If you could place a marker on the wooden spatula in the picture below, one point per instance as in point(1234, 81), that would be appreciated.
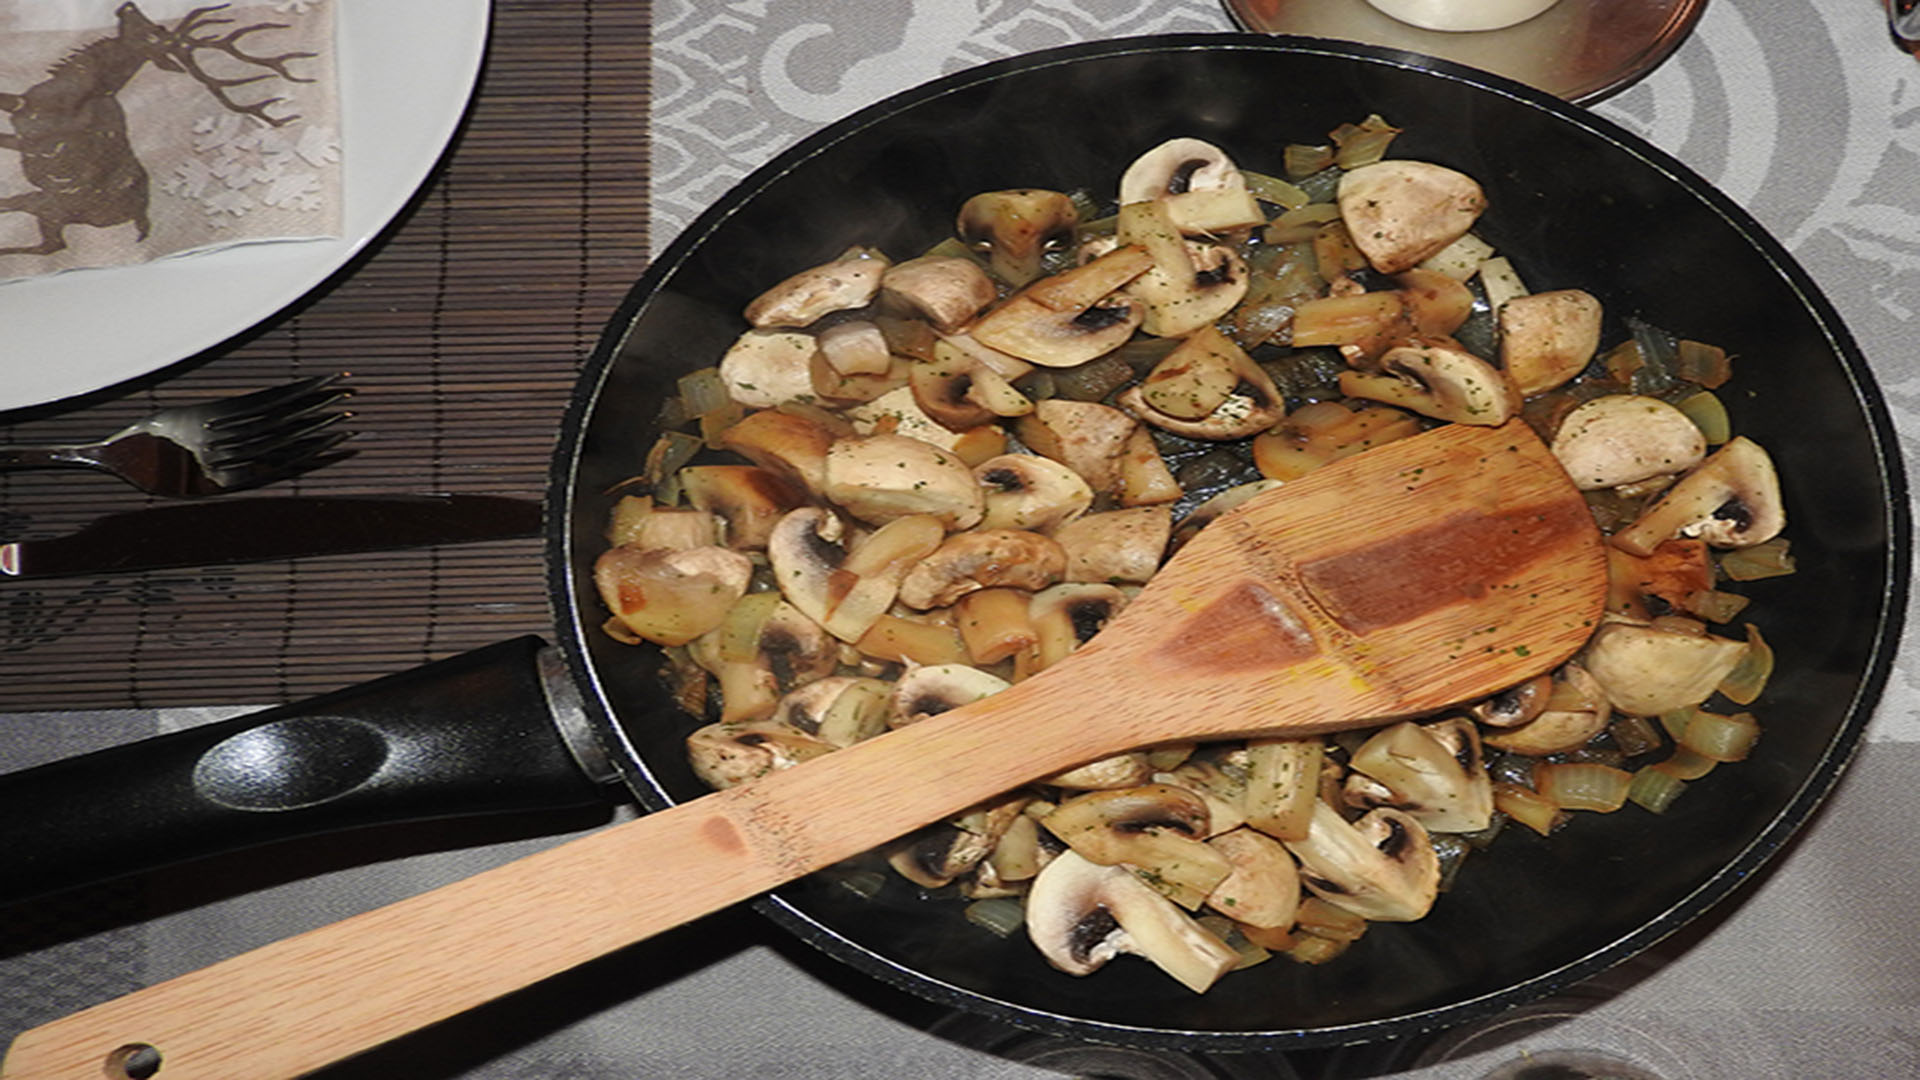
point(1423, 573)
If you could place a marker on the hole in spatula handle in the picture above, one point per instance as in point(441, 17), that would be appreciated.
point(135, 1061)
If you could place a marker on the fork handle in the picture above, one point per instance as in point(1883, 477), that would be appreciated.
point(50, 457)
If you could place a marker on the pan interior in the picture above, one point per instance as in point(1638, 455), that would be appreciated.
point(1576, 203)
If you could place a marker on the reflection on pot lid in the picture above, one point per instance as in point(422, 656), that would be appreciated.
point(1580, 50)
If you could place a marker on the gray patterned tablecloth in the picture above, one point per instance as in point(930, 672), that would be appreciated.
point(1801, 110)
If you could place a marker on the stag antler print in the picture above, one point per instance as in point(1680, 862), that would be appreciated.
point(184, 44)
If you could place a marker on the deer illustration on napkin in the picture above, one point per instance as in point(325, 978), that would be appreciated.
point(149, 129)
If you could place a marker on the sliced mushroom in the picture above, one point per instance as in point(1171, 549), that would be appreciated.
point(1016, 228)
point(1647, 671)
point(980, 559)
point(750, 500)
point(936, 688)
point(1201, 188)
point(1626, 438)
point(1071, 317)
point(1516, 704)
point(947, 289)
point(838, 709)
point(793, 446)
point(727, 754)
point(1068, 615)
point(1400, 212)
point(1145, 479)
point(1116, 545)
point(1732, 499)
point(1209, 511)
point(849, 281)
point(959, 392)
point(1575, 710)
point(637, 523)
point(764, 368)
point(1547, 338)
point(1232, 395)
point(856, 347)
point(1190, 284)
point(1432, 771)
point(1085, 436)
point(1081, 914)
point(1264, 887)
point(671, 597)
point(844, 585)
point(1027, 491)
point(933, 856)
point(1381, 867)
point(1124, 770)
point(1157, 829)
point(1441, 381)
point(878, 478)
point(898, 412)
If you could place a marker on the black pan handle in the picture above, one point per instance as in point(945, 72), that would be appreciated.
point(499, 729)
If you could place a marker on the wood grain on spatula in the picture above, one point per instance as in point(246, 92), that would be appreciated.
point(1419, 574)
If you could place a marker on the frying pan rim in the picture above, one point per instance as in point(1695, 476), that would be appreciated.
point(573, 625)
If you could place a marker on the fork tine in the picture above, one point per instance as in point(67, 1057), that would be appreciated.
point(267, 440)
point(291, 416)
point(278, 401)
point(287, 461)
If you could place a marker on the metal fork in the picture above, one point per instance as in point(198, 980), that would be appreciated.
point(213, 447)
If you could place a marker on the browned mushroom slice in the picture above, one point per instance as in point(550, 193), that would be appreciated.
point(979, 559)
point(1263, 888)
point(1572, 711)
point(1158, 829)
point(726, 754)
point(1432, 771)
point(1440, 381)
point(750, 500)
point(1210, 376)
point(1071, 317)
point(878, 478)
point(1028, 491)
point(843, 584)
point(947, 289)
point(1190, 284)
point(671, 597)
point(792, 446)
point(1085, 436)
point(1015, 228)
point(1116, 545)
point(933, 689)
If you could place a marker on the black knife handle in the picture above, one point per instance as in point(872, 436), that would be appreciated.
point(495, 730)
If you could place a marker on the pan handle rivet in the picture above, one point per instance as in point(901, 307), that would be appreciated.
point(134, 1061)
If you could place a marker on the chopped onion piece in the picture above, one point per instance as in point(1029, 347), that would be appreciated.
point(1001, 915)
point(1744, 684)
point(1684, 764)
point(1655, 789)
point(1721, 737)
point(1767, 560)
point(1528, 807)
point(1709, 414)
point(703, 391)
point(1581, 785)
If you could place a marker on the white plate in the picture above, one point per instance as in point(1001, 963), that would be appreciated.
point(406, 72)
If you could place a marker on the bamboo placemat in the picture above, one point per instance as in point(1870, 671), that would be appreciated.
point(462, 326)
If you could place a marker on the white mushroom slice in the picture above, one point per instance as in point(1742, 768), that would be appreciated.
point(1264, 888)
point(1547, 338)
point(979, 559)
point(1401, 212)
point(933, 856)
point(1008, 366)
point(1516, 704)
point(1027, 491)
point(1015, 228)
point(898, 412)
point(1440, 381)
point(637, 523)
point(936, 688)
point(1626, 438)
point(1116, 545)
point(671, 597)
point(849, 281)
point(1190, 284)
point(843, 586)
point(750, 500)
point(1129, 769)
point(1731, 500)
point(878, 478)
point(1249, 404)
point(724, 755)
point(1071, 317)
point(1157, 829)
point(838, 709)
point(1646, 671)
point(1085, 436)
point(792, 446)
point(1432, 771)
point(1381, 867)
point(947, 289)
point(1202, 189)
point(764, 368)
point(1575, 711)
point(1081, 914)
point(856, 347)
point(958, 392)
point(1145, 479)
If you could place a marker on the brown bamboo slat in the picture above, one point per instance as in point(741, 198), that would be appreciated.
point(462, 331)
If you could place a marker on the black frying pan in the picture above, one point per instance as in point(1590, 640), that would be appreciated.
point(1575, 202)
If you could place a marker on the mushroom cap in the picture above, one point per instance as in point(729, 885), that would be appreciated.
point(1646, 671)
point(1732, 499)
point(726, 754)
point(856, 347)
point(1199, 185)
point(1116, 545)
point(878, 478)
point(1400, 212)
point(1081, 914)
point(1444, 786)
point(1016, 227)
point(1441, 381)
point(1625, 438)
point(671, 597)
point(1085, 436)
point(936, 688)
point(947, 289)
point(1547, 338)
point(764, 368)
point(1381, 867)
